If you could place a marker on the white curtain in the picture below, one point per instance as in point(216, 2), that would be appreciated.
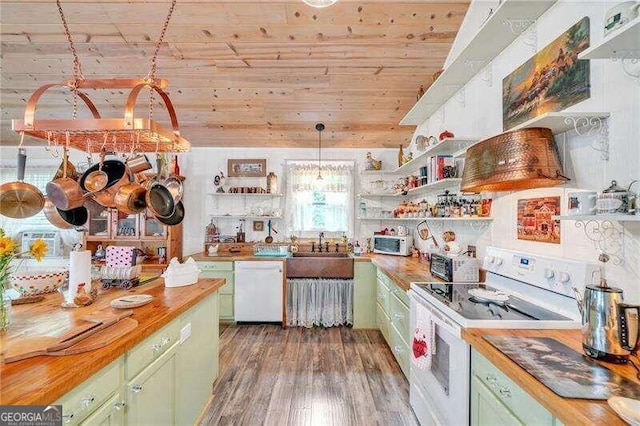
point(326, 205)
point(319, 302)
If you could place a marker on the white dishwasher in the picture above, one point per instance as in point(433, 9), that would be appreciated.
point(258, 291)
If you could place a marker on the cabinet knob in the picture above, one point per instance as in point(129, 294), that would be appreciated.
point(166, 341)
point(491, 379)
point(505, 392)
point(87, 401)
point(398, 316)
point(397, 349)
point(136, 388)
point(119, 405)
point(68, 417)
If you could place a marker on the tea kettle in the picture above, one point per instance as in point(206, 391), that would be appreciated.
point(610, 328)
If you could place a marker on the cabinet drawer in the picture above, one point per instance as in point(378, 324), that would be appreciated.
point(400, 294)
point(383, 297)
point(528, 410)
point(215, 266)
point(111, 413)
point(151, 348)
point(383, 322)
point(399, 315)
point(400, 349)
point(226, 307)
point(91, 394)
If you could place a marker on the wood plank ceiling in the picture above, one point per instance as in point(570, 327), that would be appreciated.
point(241, 73)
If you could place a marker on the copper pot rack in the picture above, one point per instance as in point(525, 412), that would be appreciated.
point(141, 134)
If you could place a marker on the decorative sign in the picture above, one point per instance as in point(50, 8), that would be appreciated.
point(246, 168)
point(535, 221)
point(552, 80)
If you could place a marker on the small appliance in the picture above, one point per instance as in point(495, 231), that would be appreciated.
point(52, 238)
point(462, 269)
point(609, 327)
point(392, 244)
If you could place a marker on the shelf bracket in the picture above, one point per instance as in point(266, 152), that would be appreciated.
point(627, 57)
point(594, 126)
point(606, 236)
point(460, 94)
point(479, 65)
point(524, 27)
point(478, 226)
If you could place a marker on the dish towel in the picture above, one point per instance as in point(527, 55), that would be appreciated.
point(423, 345)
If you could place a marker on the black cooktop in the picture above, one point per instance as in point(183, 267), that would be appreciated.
point(457, 297)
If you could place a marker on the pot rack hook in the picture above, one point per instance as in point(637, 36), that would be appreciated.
point(54, 151)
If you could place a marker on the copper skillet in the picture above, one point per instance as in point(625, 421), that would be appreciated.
point(158, 198)
point(65, 192)
point(19, 200)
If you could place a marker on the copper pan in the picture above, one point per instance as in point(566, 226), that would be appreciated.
point(19, 200)
point(130, 198)
point(62, 219)
point(65, 192)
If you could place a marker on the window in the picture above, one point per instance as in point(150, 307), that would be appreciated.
point(325, 205)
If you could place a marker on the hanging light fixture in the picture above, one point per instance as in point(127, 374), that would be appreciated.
point(319, 128)
point(512, 161)
point(319, 3)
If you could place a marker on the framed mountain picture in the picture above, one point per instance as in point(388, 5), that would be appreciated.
point(552, 80)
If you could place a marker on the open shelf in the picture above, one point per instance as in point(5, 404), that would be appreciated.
point(446, 219)
point(447, 146)
point(378, 195)
point(507, 22)
point(601, 217)
point(623, 43)
point(441, 184)
point(560, 122)
point(242, 216)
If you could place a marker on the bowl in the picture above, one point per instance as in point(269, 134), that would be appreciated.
point(38, 281)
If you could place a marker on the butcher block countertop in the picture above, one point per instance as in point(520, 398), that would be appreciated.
point(44, 379)
point(570, 411)
point(402, 270)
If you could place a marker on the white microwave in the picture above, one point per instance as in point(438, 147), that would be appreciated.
point(390, 244)
point(52, 238)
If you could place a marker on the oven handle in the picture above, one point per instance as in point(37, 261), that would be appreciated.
point(438, 318)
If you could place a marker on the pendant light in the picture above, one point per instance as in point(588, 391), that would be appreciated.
point(319, 128)
point(513, 161)
point(319, 3)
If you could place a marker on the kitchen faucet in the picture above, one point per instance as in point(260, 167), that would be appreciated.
point(320, 242)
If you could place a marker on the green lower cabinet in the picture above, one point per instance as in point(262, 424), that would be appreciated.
point(364, 295)
point(497, 400)
point(151, 395)
point(110, 414)
point(197, 364)
point(392, 318)
point(221, 269)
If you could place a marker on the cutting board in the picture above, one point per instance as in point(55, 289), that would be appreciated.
point(29, 347)
point(101, 339)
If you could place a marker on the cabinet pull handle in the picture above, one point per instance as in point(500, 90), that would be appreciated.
point(398, 316)
point(491, 379)
point(119, 405)
point(156, 347)
point(506, 392)
point(165, 341)
point(68, 417)
point(136, 388)
point(397, 349)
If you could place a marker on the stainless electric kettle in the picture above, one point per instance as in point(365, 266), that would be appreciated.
point(609, 327)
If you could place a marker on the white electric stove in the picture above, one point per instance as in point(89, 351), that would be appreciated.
point(522, 291)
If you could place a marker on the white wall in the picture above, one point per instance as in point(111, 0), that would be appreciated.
point(611, 91)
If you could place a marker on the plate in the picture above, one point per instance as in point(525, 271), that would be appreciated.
point(489, 295)
point(627, 408)
point(131, 301)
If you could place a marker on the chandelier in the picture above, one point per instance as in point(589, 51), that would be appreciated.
point(319, 3)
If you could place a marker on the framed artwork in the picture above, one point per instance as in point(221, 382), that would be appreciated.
point(535, 222)
point(552, 80)
point(246, 168)
point(258, 225)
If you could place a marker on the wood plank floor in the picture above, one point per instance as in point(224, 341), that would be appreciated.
point(299, 376)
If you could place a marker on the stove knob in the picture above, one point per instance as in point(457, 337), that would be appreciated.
point(499, 261)
point(548, 273)
point(564, 277)
point(491, 259)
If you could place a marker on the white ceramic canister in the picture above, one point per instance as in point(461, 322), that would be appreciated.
point(581, 203)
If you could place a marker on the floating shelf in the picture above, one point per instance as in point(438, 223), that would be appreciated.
point(379, 195)
point(601, 217)
point(242, 216)
point(447, 146)
point(507, 22)
point(227, 194)
point(560, 122)
point(445, 219)
point(377, 172)
point(441, 184)
point(621, 44)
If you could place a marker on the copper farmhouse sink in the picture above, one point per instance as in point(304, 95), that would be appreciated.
point(320, 265)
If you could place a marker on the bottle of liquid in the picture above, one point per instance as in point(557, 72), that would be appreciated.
point(400, 157)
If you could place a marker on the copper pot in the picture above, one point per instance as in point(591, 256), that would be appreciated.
point(65, 219)
point(19, 200)
point(130, 198)
point(65, 192)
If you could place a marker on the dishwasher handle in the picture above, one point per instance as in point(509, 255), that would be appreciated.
point(259, 265)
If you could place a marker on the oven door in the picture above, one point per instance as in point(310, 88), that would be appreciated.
point(440, 395)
